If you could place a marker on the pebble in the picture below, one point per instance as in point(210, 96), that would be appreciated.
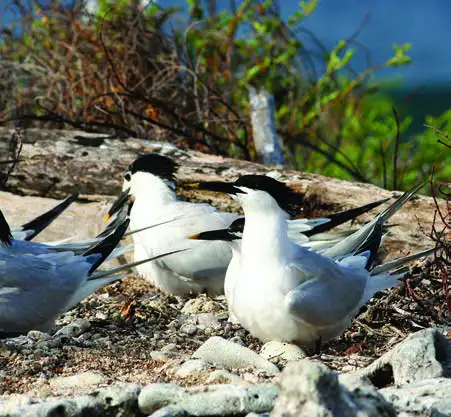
point(191, 367)
point(37, 335)
point(75, 328)
point(79, 380)
point(171, 347)
point(230, 355)
point(238, 340)
point(286, 351)
point(207, 320)
point(199, 305)
point(160, 356)
point(188, 329)
point(221, 376)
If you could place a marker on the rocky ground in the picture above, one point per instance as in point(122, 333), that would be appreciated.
point(129, 350)
point(130, 333)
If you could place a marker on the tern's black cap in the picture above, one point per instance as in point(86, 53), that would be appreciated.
point(159, 165)
point(286, 198)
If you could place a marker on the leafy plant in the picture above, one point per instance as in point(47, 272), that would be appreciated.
point(138, 71)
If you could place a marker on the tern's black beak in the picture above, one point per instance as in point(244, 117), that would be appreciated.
point(221, 234)
point(122, 199)
point(218, 186)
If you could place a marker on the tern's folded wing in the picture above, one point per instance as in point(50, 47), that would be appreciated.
point(323, 302)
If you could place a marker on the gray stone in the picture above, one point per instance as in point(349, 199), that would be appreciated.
point(431, 398)
point(170, 347)
point(156, 396)
point(79, 380)
point(161, 356)
point(212, 400)
point(191, 367)
point(170, 411)
point(120, 400)
point(188, 329)
point(199, 305)
point(257, 415)
point(221, 376)
point(74, 329)
point(17, 405)
point(230, 355)
point(37, 335)
point(423, 355)
point(286, 351)
point(207, 320)
point(310, 389)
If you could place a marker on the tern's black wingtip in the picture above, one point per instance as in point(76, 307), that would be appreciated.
point(5, 231)
point(107, 245)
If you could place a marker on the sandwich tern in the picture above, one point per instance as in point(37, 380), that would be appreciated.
point(282, 291)
point(150, 182)
point(39, 283)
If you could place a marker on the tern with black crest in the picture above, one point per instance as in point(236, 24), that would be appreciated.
point(150, 183)
point(38, 283)
point(286, 292)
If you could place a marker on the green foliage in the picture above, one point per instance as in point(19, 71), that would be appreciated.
point(332, 120)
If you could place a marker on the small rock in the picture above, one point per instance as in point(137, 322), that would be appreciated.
point(257, 415)
point(188, 329)
point(207, 320)
point(80, 380)
point(286, 351)
point(101, 316)
point(170, 347)
point(170, 411)
point(156, 396)
point(423, 355)
point(230, 355)
point(430, 397)
point(159, 356)
point(191, 367)
point(74, 329)
point(200, 305)
point(238, 340)
point(117, 400)
point(311, 389)
point(211, 400)
point(221, 376)
point(37, 335)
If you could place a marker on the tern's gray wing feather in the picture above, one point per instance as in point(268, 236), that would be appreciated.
point(306, 302)
point(205, 259)
point(342, 287)
point(42, 286)
point(370, 235)
point(321, 278)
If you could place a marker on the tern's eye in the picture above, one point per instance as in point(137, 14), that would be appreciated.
point(128, 176)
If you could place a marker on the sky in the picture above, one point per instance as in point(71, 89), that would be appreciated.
point(424, 23)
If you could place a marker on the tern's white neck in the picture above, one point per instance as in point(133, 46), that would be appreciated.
point(265, 231)
point(152, 190)
point(151, 195)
